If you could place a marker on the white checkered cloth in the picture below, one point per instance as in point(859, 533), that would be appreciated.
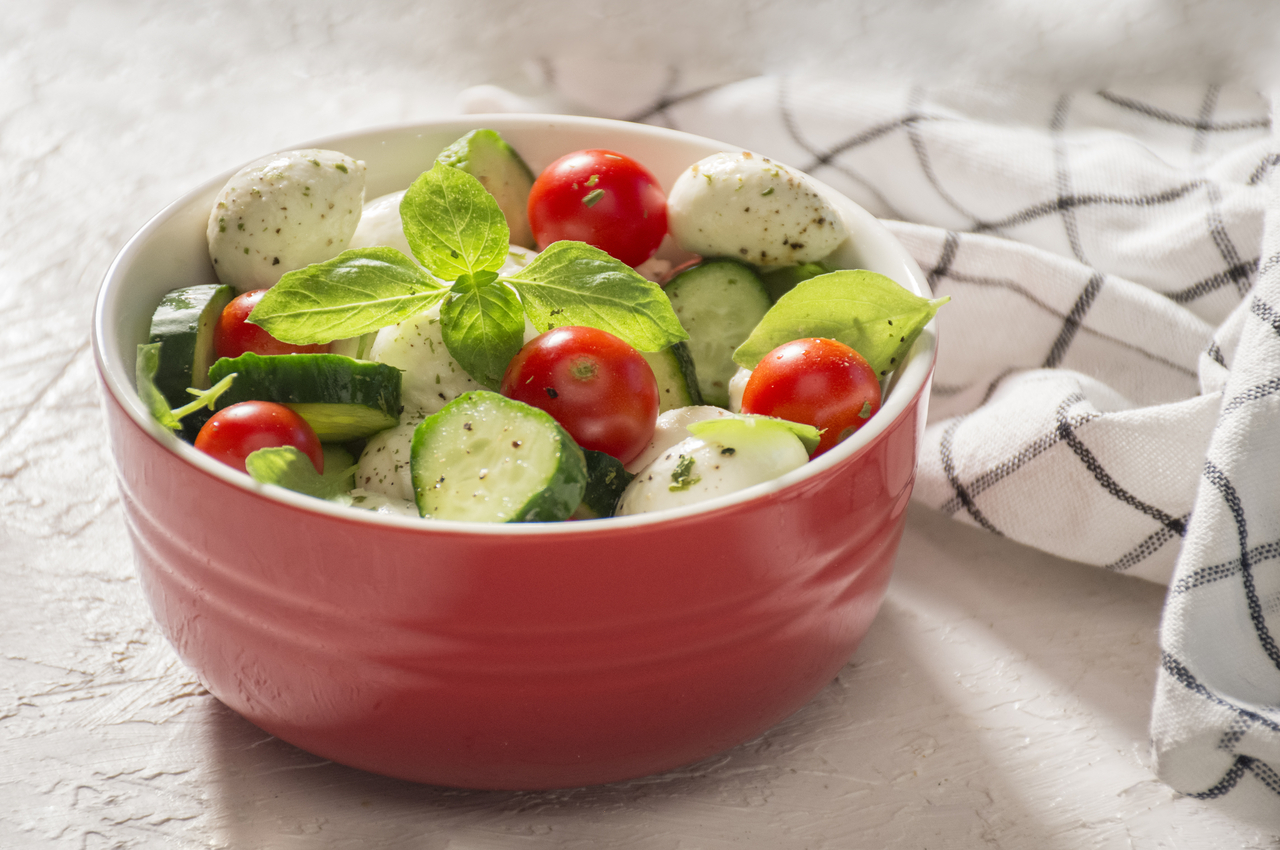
point(1108, 383)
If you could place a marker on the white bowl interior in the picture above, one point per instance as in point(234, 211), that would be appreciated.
point(170, 251)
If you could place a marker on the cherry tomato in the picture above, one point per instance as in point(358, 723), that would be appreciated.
point(597, 387)
point(602, 198)
point(816, 381)
point(234, 335)
point(235, 432)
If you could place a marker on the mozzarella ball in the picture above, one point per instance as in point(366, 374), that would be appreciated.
point(284, 212)
point(384, 463)
point(380, 225)
point(695, 470)
point(432, 378)
point(754, 209)
point(670, 429)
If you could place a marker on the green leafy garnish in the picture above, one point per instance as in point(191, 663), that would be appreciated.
point(288, 467)
point(453, 224)
point(866, 311)
point(145, 368)
point(572, 283)
point(482, 323)
point(749, 427)
point(357, 292)
point(456, 230)
point(682, 477)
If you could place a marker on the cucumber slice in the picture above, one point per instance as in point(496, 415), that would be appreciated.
point(341, 398)
point(677, 377)
point(183, 325)
point(487, 458)
point(486, 156)
point(606, 479)
point(719, 302)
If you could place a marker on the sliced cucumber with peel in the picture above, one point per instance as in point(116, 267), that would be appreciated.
point(183, 325)
point(719, 302)
point(341, 398)
point(487, 458)
point(486, 156)
point(676, 375)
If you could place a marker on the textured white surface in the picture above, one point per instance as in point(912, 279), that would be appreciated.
point(1001, 699)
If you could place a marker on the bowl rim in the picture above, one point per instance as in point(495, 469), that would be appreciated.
point(909, 383)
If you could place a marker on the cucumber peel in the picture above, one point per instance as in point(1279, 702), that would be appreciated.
point(341, 398)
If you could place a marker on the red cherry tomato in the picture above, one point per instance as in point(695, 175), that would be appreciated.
point(816, 381)
point(602, 198)
point(597, 387)
point(235, 432)
point(234, 335)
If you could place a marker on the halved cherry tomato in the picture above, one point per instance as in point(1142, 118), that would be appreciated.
point(602, 198)
point(816, 381)
point(234, 335)
point(597, 387)
point(235, 432)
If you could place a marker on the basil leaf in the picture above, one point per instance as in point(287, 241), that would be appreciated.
point(453, 224)
point(358, 291)
point(288, 467)
point(749, 427)
point(483, 326)
point(866, 311)
point(144, 375)
point(572, 283)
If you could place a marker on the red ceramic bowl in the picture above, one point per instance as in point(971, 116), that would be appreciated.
point(517, 656)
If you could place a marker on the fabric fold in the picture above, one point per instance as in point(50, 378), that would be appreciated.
point(1108, 381)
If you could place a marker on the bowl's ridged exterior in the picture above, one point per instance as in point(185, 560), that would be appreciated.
point(500, 661)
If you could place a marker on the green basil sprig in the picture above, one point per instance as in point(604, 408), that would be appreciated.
point(457, 232)
point(866, 311)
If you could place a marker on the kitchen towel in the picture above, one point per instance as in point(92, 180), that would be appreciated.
point(1108, 382)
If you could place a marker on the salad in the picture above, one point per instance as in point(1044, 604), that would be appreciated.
point(490, 345)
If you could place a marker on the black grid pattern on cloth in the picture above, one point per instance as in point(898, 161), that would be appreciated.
point(1238, 271)
point(1242, 569)
point(1243, 720)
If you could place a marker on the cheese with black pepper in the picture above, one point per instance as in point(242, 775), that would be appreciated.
point(753, 209)
point(284, 212)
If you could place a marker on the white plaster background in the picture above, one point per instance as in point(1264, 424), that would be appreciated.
point(1002, 697)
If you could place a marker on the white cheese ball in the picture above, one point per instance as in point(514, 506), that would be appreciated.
point(671, 428)
point(432, 378)
point(695, 470)
point(384, 463)
point(284, 212)
point(754, 209)
point(380, 225)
